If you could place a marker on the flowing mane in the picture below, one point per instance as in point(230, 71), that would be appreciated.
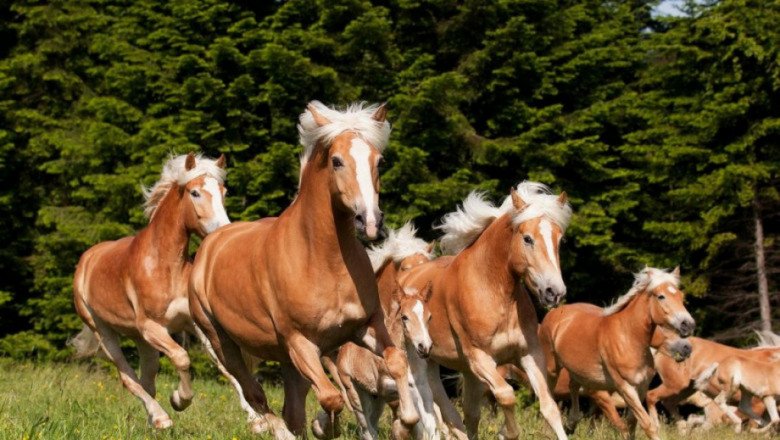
point(767, 338)
point(357, 117)
point(463, 226)
point(647, 279)
point(400, 243)
point(175, 173)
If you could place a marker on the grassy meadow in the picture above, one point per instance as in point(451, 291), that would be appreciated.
point(76, 401)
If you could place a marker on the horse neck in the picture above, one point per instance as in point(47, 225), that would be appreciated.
point(386, 281)
point(318, 219)
point(635, 318)
point(167, 235)
point(491, 251)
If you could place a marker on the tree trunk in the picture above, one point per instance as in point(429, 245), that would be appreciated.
point(763, 285)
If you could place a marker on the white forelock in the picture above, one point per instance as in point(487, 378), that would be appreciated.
point(647, 279)
point(357, 118)
point(175, 172)
point(463, 226)
point(399, 244)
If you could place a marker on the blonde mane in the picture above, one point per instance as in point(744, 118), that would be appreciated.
point(463, 226)
point(357, 117)
point(647, 279)
point(175, 173)
point(767, 338)
point(399, 244)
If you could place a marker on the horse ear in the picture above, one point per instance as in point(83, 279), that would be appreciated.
point(189, 163)
point(221, 161)
point(517, 201)
point(676, 272)
point(427, 291)
point(429, 248)
point(318, 118)
point(563, 198)
point(381, 113)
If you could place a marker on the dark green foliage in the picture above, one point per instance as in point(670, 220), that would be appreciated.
point(664, 133)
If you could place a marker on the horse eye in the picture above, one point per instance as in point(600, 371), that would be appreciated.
point(661, 297)
point(195, 193)
point(528, 240)
point(337, 162)
point(404, 318)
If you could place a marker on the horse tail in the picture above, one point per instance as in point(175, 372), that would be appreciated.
point(86, 343)
point(767, 338)
point(703, 379)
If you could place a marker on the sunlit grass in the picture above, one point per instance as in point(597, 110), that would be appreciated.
point(74, 401)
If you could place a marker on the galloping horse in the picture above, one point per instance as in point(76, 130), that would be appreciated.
point(365, 378)
point(678, 378)
point(294, 287)
point(399, 252)
point(482, 315)
point(137, 286)
point(609, 349)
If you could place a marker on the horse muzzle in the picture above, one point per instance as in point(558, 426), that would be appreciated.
point(684, 325)
point(552, 296)
point(680, 350)
point(423, 351)
point(369, 226)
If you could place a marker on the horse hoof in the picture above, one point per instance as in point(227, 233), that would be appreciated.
point(323, 429)
point(178, 403)
point(162, 422)
point(269, 422)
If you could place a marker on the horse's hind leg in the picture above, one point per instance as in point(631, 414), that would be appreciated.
point(149, 360)
point(484, 367)
point(109, 342)
point(446, 409)
point(473, 391)
point(159, 338)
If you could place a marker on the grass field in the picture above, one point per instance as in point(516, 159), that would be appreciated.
point(74, 401)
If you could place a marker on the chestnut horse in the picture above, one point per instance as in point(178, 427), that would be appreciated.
point(293, 287)
point(678, 378)
point(399, 252)
point(609, 349)
point(482, 315)
point(366, 381)
point(137, 286)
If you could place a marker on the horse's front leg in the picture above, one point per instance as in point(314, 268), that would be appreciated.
point(376, 338)
point(305, 355)
point(634, 402)
point(485, 369)
point(534, 364)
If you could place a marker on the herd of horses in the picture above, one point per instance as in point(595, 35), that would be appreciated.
point(301, 289)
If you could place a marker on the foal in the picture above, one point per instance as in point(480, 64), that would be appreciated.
point(137, 286)
point(609, 349)
point(365, 378)
point(399, 252)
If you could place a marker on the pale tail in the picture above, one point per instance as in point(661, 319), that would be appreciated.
point(767, 339)
point(701, 382)
point(85, 343)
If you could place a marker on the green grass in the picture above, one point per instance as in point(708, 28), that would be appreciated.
point(74, 401)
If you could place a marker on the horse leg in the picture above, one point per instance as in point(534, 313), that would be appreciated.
point(149, 360)
point(534, 364)
point(722, 400)
point(771, 407)
point(423, 399)
point(251, 413)
point(473, 391)
point(376, 338)
point(159, 338)
point(484, 367)
point(305, 355)
point(574, 412)
point(296, 387)
point(634, 402)
point(746, 406)
point(447, 411)
point(109, 341)
point(604, 401)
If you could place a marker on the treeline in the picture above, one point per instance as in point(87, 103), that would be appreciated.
point(664, 131)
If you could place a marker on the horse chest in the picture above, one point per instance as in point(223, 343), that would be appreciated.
point(507, 340)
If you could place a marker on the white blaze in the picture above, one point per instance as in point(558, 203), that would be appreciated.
point(361, 153)
point(220, 217)
point(545, 228)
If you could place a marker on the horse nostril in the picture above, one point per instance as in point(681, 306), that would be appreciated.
point(359, 219)
point(380, 219)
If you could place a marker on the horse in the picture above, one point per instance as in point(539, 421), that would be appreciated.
point(293, 287)
point(137, 286)
point(751, 377)
point(399, 252)
point(364, 376)
point(482, 314)
point(609, 349)
point(678, 378)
